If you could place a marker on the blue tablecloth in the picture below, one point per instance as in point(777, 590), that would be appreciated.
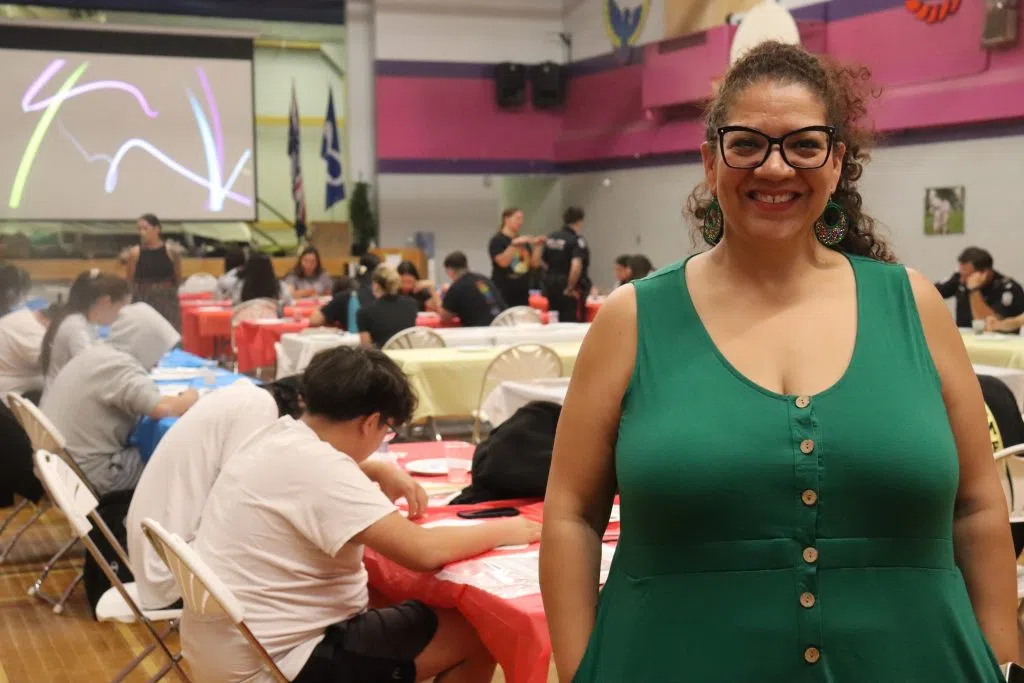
point(148, 431)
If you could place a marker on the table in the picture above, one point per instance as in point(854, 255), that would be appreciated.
point(297, 349)
point(508, 397)
point(191, 340)
point(514, 629)
point(148, 432)
point(255, 340)
point(1002, 350)
point(1011, 377)
point(447, 381)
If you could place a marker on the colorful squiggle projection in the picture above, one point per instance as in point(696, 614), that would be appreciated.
point(212, 138)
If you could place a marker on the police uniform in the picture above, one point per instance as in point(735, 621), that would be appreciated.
point(1002, 294)
point(560, 248)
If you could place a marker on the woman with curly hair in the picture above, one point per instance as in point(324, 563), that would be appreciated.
point(794, 428)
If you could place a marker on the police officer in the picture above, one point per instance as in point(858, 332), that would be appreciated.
point(983, 293)
point(566, 258)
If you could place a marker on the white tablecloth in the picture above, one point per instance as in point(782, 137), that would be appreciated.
point(1011, 377)
point(458, 337)
point(509, 397)
point(294, 351)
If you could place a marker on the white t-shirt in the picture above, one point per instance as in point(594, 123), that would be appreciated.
point(178, 477)
point(277, 530)
point(21, 340)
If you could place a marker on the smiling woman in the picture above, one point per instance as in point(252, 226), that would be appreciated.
point(793, 428)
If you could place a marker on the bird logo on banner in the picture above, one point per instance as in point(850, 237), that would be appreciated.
point(625, 24)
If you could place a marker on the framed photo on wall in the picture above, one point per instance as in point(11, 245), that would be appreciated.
point(944, 209)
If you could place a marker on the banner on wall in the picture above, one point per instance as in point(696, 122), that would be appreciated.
point(312, 11)
point(294, 156)
point(330, 152)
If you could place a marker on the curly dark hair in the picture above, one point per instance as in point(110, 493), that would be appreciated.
point(845, 91)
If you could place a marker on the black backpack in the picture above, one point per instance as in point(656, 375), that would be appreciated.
point(113, 510)
point(514, 460)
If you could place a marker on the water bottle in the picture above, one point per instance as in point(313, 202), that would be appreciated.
point(353, 310)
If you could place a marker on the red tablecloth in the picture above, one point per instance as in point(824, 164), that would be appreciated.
point(514, 631)
point(255, 341)
point(195, 296)
point(300, 310)
point(592, 308)
point(191, 339)
point(539, 302)
point(434, 320)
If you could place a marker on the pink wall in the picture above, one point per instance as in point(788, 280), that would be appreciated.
point(932, 76)
point(951, 81)
point(456, 119)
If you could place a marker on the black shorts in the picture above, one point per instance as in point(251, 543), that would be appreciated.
point(377, 645)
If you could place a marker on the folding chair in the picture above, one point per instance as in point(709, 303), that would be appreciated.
point(415, 338)
point(45, 436)
point(202, 592)
point(517, 315)
point(254, 309)
point(19, 480)
point(521, 362)
point(120, 603)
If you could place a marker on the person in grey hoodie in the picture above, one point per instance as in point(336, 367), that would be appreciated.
point(96, 398)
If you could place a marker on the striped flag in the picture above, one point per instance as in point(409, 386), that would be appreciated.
point(298, 191)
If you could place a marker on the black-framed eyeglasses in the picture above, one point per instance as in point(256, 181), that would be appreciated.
point(804, 149)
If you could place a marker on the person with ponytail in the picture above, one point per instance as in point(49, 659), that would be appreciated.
point(94, 300)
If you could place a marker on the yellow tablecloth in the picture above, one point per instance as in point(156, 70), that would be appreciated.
point(1003, 350)
point(447, 381)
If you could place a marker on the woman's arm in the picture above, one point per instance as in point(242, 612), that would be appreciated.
point(174, 252)
point(981, 528)
point(581, 486)
point(130, 262)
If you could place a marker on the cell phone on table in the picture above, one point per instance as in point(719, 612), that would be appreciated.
point(492, 512)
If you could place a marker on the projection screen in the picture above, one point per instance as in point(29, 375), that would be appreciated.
point(103, 125)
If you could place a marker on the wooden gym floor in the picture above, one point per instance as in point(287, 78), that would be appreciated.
point(38, 646)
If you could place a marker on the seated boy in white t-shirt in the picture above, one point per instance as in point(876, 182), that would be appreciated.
point(284, 527)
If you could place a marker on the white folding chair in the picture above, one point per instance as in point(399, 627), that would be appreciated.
point(202, 592)
point(522, 362)
point(120, 602)
point(45, 436)
point(254, 309)
point(517, 315)
point(198, 283)
point(415, 338)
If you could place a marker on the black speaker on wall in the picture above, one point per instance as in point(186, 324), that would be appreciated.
point(549, 83)
point(510, 85)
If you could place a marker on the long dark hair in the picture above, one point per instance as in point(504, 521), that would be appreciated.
point(298, 263)
point(14, 284)
point(234, 257)
point(845, 91)
point(88, 288)
point(258, 279)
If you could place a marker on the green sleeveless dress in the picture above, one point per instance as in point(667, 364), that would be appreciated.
point(785, 539)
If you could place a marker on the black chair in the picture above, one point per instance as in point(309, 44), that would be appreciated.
point(1006, 429)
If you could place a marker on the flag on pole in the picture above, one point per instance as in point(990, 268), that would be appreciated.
point(330, 151)
point(298, 192)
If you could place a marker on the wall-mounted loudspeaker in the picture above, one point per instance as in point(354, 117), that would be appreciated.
point(549, 81)
point(510, 85)
point(1001, 21)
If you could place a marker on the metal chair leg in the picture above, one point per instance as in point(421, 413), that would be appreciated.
point(40, 511)
point(59, 607)
point(25, 502)
point(35, 589)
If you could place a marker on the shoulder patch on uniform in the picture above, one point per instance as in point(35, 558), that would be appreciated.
point(1007, 297)
point(583, 245)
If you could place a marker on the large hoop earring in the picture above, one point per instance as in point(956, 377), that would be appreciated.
point(714, 223)
point(832, 226)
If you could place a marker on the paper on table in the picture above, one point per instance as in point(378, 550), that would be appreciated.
point(159, 374)
point(510, 575)
point(172, 389)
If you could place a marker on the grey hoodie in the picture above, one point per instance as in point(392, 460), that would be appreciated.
point(98, 396)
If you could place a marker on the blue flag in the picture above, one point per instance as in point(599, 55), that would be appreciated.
point(330, 151)
point(298, 191)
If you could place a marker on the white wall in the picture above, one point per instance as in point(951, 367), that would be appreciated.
point(585, 21)
point(637, 211)
point(539, 198)
point(461, 210)
point(640, 210)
